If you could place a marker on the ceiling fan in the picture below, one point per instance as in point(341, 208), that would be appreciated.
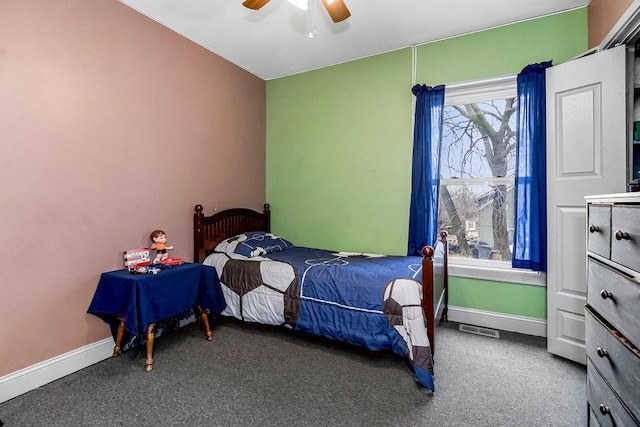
point(336, 8)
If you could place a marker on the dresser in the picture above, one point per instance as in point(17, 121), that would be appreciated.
point(612, 313)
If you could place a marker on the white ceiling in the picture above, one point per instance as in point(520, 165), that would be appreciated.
point(272, 42)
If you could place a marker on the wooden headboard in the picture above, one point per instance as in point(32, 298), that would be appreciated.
point(208, 231)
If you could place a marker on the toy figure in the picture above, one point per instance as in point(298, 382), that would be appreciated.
point(160, 245)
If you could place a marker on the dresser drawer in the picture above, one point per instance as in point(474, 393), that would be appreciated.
point(599, 224)
point(618, 364)
point(603, 403)
point(621, 307)
point(625, 236)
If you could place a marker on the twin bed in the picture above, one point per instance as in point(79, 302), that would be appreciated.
point(378, 302)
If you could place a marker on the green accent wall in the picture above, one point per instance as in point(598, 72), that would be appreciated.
point(339, 140)
point(339, 144)
point(499, 297)
point(504, 50)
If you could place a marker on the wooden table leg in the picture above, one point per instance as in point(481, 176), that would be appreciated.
point(150, 338)
point(205, 320)
point(116, 349)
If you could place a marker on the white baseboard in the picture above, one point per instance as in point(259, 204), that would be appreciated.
point(500, 321)
point(32, 377)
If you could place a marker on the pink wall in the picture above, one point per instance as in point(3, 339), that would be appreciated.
point(603, 15)
point(110, 126)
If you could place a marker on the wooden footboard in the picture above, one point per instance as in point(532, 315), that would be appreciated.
point(208, 231)
point(435, 283)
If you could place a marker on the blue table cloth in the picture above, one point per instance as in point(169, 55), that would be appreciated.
point(144, 299)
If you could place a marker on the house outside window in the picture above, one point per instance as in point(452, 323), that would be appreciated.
point(477, 177)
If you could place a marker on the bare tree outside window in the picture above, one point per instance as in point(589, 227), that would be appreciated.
point(477, 178)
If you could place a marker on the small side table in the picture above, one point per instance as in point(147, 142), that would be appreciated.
point(135, 302)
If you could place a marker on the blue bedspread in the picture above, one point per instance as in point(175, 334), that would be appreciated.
point(374, 302)
point(342, 296)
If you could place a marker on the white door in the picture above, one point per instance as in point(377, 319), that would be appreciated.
point(586, 154)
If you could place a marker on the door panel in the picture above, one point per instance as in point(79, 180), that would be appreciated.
point(572, 239)
point(580, 132)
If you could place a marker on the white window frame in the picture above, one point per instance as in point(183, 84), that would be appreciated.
point(500, 271)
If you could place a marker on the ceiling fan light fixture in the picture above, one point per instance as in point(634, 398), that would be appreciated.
point(336, 8)
point(302, 4)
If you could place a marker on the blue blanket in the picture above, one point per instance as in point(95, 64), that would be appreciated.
point(374, 302)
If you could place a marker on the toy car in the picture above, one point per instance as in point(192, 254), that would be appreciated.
point(145, 270)
point(172, 261)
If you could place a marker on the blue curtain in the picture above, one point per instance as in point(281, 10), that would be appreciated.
point(425, 178)
point(530, 234)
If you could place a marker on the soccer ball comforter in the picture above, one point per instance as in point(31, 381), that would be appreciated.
point(371, 301)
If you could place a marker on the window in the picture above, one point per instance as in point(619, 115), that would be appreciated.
point(477, 174)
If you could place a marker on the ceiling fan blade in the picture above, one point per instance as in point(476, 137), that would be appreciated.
point(254, 4)
point(337, 10)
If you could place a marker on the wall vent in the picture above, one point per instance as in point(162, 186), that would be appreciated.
point(480, 331)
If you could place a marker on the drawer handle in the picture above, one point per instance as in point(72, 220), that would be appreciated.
point(602, 352)
point(604, 410)
point(622, 235)
point(594, 228)
point(606, 294)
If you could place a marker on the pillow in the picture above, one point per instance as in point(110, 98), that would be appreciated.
point(254, 243)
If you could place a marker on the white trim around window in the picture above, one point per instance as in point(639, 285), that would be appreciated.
point(496, 271)
point(481, 90)
point(499, 271)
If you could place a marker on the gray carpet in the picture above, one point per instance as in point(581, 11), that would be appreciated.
point(252, 375)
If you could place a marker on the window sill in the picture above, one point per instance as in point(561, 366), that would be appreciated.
point(496, 271)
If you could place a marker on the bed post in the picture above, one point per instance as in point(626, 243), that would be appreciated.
point(427, 293)
point(267, 217)
point(445, 273)
point(198, 233)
